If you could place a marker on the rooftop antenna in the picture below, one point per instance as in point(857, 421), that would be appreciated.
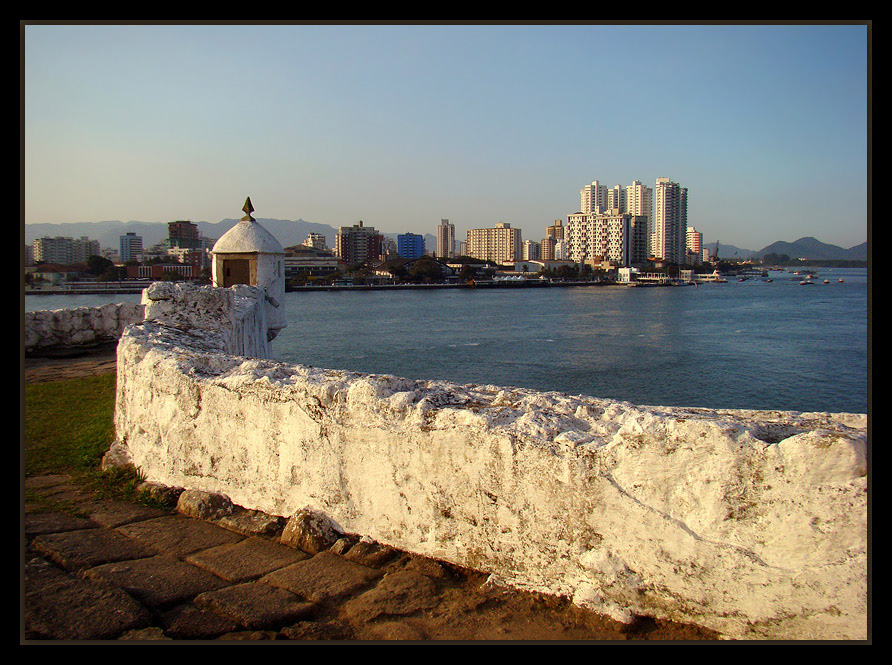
point(248, 209)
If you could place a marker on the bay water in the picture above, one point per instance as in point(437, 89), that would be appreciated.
point(738, 345)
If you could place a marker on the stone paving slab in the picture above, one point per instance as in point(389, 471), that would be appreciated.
point(86, 548)
point(246, 560)
point(112, 513)
point(325, 576)
point(60, 606)
point(187, 622)
point(256, 606)
point(48, 480)
point(399, 593)
point(54, 522)
point(159, 582)
point(177, 535)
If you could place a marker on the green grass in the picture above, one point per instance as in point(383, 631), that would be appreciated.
point(68, 424)
point(68, 427)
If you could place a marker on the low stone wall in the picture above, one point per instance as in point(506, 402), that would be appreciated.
point(81, 326)
point(751, 523)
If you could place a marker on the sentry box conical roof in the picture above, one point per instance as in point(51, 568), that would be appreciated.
point(248, 237)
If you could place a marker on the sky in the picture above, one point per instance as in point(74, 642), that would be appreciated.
point(403, 125)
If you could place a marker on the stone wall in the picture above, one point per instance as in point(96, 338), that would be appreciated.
point(81, 326)
point(751, 523)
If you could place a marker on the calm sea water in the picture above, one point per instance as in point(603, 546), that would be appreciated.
point(751, 344)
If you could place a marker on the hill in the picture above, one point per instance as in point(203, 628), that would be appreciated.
point(812, 248)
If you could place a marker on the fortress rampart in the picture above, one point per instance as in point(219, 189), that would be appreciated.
point(80, 326)
point(751, 523)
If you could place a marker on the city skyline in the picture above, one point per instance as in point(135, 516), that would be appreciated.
point(401, 126)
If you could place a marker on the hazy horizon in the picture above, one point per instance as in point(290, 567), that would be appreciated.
point(402, 125)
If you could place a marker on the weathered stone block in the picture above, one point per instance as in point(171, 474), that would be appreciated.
point(309, 531)
point(204, 505)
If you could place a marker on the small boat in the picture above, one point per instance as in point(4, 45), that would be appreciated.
point(826, 281)
point(768, 280)
point(840, 280)
point(805, 281)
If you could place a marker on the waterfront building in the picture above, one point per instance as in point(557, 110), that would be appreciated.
point(358, 243)
point(183, 234)
point(29, 255)
point(463, 248)
point(620, 238)
point(410, 245)
point(131, 247)
point(309, 261)
point(640, 201)
point(670, 221)
point(531, 250)
point(694, 245)
point(194, 256)
point(501, 244)
point(159, 271)
point(547, 247)
point(445, 239)
point(555, 231)
point(316, 241)
point(388, 249)
point(65, 251)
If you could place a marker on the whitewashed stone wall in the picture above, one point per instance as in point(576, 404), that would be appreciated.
point(752, 523)
point(80, 326)
point(232, 320)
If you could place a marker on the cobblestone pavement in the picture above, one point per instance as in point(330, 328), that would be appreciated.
point(99, 569)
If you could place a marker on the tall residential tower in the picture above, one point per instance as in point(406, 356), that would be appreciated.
point(445, 240)
point(670, 221)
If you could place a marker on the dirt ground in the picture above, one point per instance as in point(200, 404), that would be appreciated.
point(53, 365)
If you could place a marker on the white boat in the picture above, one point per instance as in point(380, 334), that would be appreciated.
point(714, 276)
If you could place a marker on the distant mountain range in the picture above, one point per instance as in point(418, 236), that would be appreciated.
point(294, 232)
point(804, 248)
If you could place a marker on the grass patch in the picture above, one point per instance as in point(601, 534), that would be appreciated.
point(68, 425)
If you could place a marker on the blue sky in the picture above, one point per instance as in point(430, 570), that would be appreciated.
point(401, 125)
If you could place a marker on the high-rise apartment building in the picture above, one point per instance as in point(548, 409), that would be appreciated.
point(501, 244)
point(555, 231)
point(547, 247)
point(694, 245)
point(131, 247)
point(65, 251)
point(183, 234)
point(670, 221)
point(593, 198)
point(640, 201)
point(532, 251)
point(620, 238)
point(616, 199)
point(410, 245)
point(445, 239)
point(358, 243)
